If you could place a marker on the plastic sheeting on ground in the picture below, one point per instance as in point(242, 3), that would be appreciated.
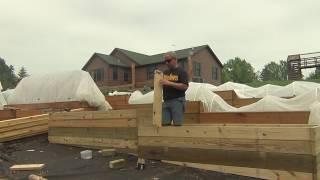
point(59, 87)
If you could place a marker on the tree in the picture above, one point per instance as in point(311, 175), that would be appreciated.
point(22, 73)
point(314, 75)
point(274, 71)
point(7, 76)
point(238, 70)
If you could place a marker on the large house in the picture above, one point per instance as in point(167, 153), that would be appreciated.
point(123, 67)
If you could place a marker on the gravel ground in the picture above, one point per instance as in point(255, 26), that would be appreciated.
point(64, 163)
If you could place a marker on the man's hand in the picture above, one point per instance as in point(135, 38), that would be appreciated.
point(165, 82)
point(179, 86)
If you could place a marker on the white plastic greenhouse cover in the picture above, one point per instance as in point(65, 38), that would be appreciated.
point(2, 100)
point(231, 86)
point(294, 89)
point(59, 87)
point(307, 99)
point(7, 93)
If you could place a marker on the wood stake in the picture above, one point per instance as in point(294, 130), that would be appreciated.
point(157, 99)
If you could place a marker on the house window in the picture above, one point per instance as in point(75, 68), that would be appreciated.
point(150, 72)
point(126, 76)
point(197, 69)
point(214, 72)
point(97, 75)
point(114, 73)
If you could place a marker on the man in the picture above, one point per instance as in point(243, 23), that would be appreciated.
point(175, 84)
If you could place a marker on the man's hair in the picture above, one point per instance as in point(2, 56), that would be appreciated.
point(172, 54)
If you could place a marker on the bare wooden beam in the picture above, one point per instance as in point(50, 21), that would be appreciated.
point(26, 167)
point(157, 99)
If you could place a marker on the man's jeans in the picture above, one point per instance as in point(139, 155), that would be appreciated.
point(173, 110)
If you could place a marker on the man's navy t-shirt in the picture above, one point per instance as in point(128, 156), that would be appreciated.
point(177, 75)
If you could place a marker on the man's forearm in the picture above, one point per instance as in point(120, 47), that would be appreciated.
point(179, 86)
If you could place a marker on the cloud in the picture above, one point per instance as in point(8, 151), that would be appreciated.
point(47, 36)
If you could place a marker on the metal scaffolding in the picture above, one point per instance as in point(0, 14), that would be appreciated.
point(301, 61)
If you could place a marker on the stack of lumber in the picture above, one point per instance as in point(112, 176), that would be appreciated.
point(270, 151)
point(23, 127)
point(114, 129)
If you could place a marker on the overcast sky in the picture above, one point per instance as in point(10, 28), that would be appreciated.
point(53, 35)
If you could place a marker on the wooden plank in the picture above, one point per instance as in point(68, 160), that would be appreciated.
point(251, 172)
point(157, 99)
point(226, 95)
point(41, 127)
point(55, 105)
point(117, 164)
point(237, 102)
point(131, 106)
point(12, 122)
point(264, 160)
point(26, 167)
point(191, 106)
point(24, 125)
point(295, 147)
point(7, 114)
point(111, 133)
point(236, 132)
point(117, 100)
point(89, 141)
point(24, 135)
point(316, 138)
point(26, 132)
point(191, 118)
point(290, 117)
point(26, 113)
point(94, 123)
point(112, 114)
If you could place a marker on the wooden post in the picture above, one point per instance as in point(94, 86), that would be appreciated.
point(157, 99)
point(190, 71)
point(133, 75)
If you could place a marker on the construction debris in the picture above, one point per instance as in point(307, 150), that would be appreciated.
point(27, 167)
point(117, 164)
point(35, 177)
point(108, 152)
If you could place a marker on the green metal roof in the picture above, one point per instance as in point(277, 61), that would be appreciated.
point(139, 58)
point(181, 54)
point(142, 59)
point(111, 60)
